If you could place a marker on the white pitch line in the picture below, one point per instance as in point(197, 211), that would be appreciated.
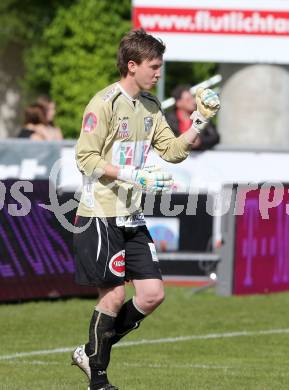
point(168, 366)
point(34, 362)
point(35, 353)
point(154, 341)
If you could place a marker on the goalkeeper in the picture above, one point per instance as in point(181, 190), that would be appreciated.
point(111, 241)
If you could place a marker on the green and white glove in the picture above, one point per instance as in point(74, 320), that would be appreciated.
point(208, 104)
point(150, 179)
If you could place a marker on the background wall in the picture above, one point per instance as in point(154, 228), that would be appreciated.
point(11, 69)
point(255, 105)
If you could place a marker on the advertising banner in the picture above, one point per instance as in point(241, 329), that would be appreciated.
point(261, 245)
point(255, 251)
point(25, 160)
point(36, 257)
point(241, 31)
point(165, 232)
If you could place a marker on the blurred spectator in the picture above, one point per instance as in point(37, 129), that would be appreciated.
point(35, 124)
point(179, 119)
point(49, 108)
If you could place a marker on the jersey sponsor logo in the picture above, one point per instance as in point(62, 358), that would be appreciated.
point(148, 123)
point(130, 153)
point(126, 154)
point(117, 264)
point(153, 251)
point(123, 131)
point(89, 122)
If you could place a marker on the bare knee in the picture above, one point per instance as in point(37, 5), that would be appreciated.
point(150, 300)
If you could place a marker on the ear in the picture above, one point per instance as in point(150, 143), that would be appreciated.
point(131, 65)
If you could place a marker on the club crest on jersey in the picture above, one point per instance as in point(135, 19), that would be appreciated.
point(148, 123)
point(89, 122)
point(117, 264)
point(123, 128)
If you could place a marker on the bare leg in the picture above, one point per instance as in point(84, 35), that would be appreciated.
point(149, 294)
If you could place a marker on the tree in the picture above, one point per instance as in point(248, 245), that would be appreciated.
point(69, 49)
point(77, 56)
point(23, 21)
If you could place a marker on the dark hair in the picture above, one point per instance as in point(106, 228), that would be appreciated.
point(138, 46)
point(35, 114)
point(44, 100)
point(178, 91)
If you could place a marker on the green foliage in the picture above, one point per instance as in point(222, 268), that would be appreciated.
point(77, 56)
point(22, 21)
point(70, 50)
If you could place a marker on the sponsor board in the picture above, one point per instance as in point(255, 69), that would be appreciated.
point(165, 232)
point(247, 31)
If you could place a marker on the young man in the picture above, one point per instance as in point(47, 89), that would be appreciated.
point(120, 124)
point(180, 121)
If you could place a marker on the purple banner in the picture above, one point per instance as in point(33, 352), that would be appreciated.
point(262, 248)
point(36, 256)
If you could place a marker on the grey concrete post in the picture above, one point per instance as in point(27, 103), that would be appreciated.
point(255, 105)
point(11, 71)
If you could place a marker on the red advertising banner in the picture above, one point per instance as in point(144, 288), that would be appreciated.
point(212, 21)
point(229, 31)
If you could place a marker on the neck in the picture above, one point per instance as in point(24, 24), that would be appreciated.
point(130, 87)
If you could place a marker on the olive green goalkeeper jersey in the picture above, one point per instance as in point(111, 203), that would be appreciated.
point(119, 130)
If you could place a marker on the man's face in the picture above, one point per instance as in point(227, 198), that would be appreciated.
point(186, 102)
point(148, 73)
point(50, 111)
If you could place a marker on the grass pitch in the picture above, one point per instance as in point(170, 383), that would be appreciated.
point(224, 360)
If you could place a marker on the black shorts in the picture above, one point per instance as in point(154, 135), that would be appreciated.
point(107, 255)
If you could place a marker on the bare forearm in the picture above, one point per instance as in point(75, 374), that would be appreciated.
point(111, 171)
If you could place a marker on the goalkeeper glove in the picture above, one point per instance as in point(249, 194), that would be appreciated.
point(150, 179)
point(208, 104)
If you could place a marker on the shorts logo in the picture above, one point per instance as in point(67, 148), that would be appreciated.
point(117, 264)
point(123, 128)
point(89, 122)
point(148, 124)
point(153, 251)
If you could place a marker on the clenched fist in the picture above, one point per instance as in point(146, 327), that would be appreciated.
point(208, 104)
